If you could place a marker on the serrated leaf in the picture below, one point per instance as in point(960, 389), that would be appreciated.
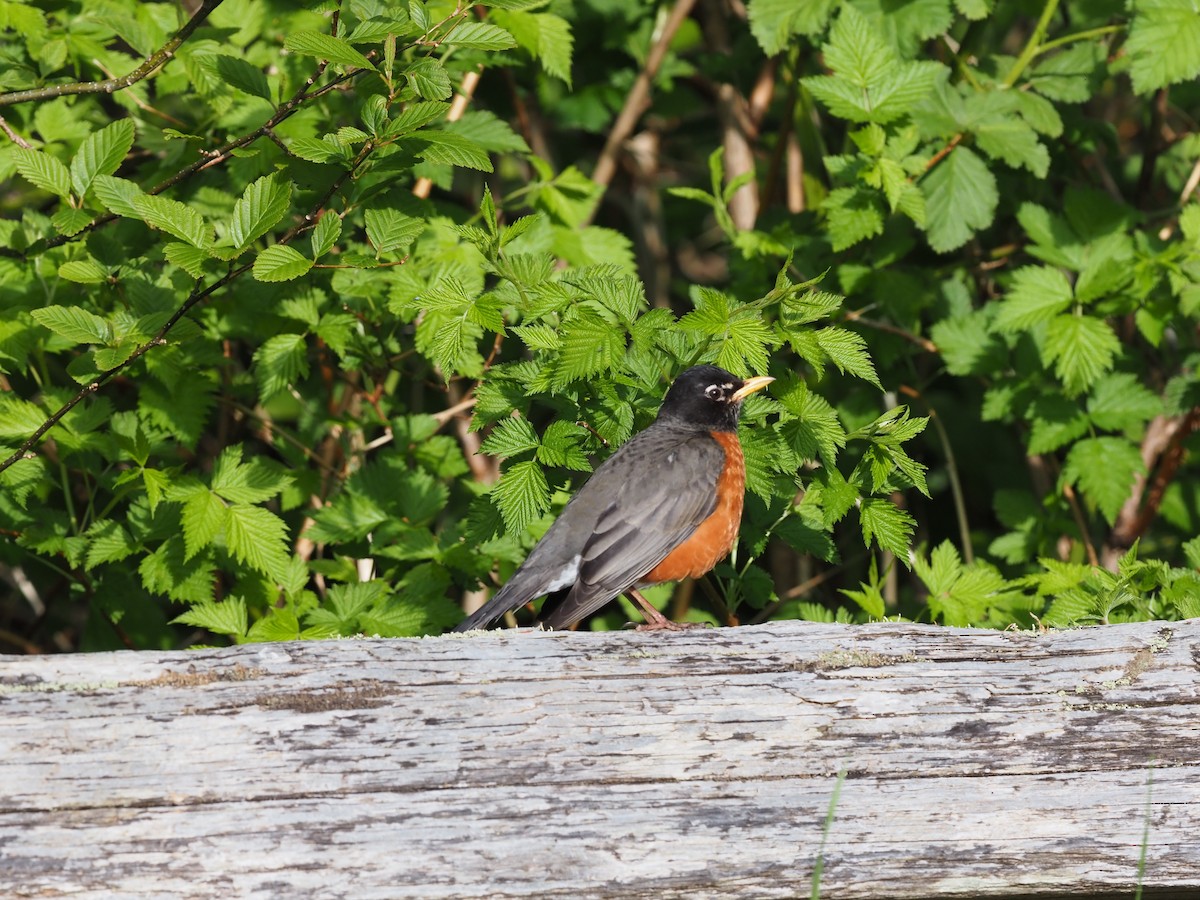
point(257, 538)
point(1081, 348)
point(117, 195)
point(190, 259)
point(203, 517)
point(510, 437)
point(317, 150)
point(226, 617)
point(521, 495)
point(1104, 469)
point(429, 79)
point(42, 171)
point(888, 525)
point(259, 209)
point(1037, 294)
point(254, 482)
point(74, 324)
point(1055, 422)
point(391, 230)
point(590, 345)
point(1163, 43)
point(453, 149)
point(1120, 401)
point(326, 234)
point(774, 22)
point(101, 153)
point(324, 46)
point(280, 262)
point(480, 36)
point(848, 351)
point(108, 542)
point(83, 271)
point(175, 218)
point(238, 73)
point(70, 221)
point(853, 214)
point(960, 199)
point(279, 362)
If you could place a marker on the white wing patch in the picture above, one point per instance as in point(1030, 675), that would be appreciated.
point(567, 577)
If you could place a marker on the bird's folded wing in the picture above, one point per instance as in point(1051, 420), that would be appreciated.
point(642, 524)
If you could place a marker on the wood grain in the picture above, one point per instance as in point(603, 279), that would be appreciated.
point(979, 764)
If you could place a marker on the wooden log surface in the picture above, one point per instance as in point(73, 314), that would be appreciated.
point(702, 763)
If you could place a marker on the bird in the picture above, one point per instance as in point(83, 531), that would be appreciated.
point(666, 506)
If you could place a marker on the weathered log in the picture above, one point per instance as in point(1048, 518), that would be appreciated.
point(978, 764)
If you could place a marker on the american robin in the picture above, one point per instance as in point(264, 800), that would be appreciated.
point(665, 506)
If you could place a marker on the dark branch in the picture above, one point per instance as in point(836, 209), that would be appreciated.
point(110, 85)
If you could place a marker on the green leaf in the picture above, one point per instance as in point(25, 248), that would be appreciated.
point(117, 195)
point(429, 79)
point(42, 171)
point(258, 538)
point(101, 153)
point(323, 46)
point(175, 218)
point(1104, 469)
point(960, 199)
point(74, 324)
point(888, 525)
point(1120, 401)
point(1037, 294)
point(871, 83)
point(279, 362)
point(510, 437)
point(1055, 422)
point(1163, 43)
point(854, 214)
point(83, 271)
point(203, 519)
point(773, 22)
point(254, 482)
point(521, 495)
point(1081, 348)
point(453, 149)
point(238, 73)
point(190, 259)
point(259, 209)
point(480, 36)
point(848, 351)
point(390, 230)
point(280, 262)
point(326, 234)
point(556, 46)
point(590, 345)
point(226, 617)
point(108, 542)
point(70, 221)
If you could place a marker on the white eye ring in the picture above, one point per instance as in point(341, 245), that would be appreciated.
point(712, 392)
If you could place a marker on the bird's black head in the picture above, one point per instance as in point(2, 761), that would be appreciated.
point(708, 398)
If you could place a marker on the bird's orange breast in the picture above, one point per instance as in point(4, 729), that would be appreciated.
point(712, 541)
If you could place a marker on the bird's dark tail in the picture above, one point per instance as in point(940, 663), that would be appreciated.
point(490, 611)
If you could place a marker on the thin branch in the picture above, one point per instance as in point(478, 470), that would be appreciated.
point(1078, 36)
point(13, 136)
point(638, 98)
point(1163, 445)
point(1032, 45)
point(956, 490)
point(111, 85)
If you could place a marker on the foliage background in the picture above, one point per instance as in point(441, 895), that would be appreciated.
point(283, 283)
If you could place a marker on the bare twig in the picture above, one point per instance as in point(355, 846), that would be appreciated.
point(110, 85)
point(1162, 446)
point(638, 98)
point(13, 136)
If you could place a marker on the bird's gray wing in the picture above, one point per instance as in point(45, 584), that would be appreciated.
point(644, 520)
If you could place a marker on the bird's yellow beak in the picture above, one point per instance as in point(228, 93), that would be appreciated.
point(751, 385)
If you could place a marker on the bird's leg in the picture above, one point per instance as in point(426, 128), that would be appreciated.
point(656, 621)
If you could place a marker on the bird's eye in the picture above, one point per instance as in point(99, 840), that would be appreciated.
point(712, 392)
